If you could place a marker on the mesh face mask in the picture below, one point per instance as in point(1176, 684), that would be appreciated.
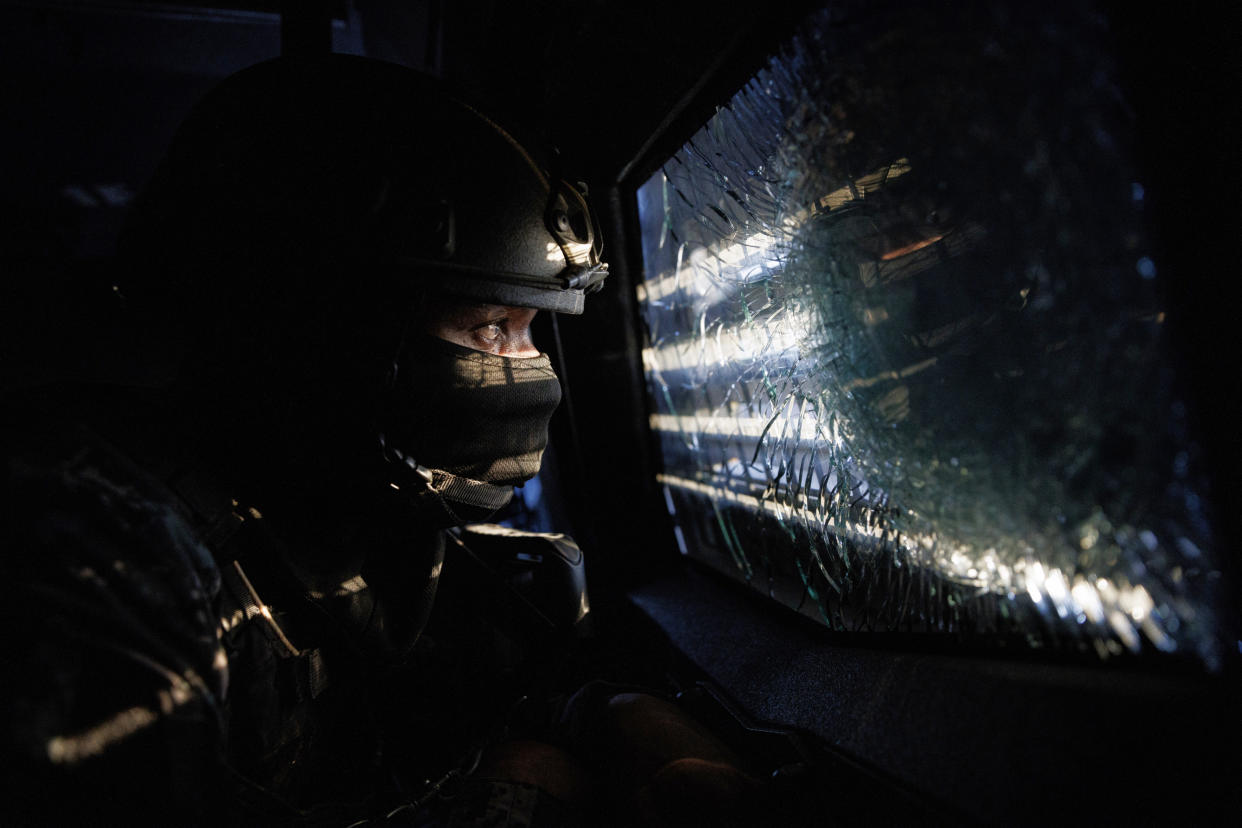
point(470, 425)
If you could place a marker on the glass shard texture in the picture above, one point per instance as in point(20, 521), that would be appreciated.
point(905, 345)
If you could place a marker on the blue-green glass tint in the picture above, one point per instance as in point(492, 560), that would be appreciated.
point(905, 346)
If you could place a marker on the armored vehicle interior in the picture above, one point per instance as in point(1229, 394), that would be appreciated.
point(901, 444)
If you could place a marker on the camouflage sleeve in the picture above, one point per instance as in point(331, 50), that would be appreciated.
point(113, 674)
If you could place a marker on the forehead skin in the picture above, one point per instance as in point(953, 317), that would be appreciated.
point(494, 329)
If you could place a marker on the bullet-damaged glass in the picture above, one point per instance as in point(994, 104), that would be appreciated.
point(906, 348)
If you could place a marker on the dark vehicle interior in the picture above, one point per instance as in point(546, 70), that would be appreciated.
point(900, 447)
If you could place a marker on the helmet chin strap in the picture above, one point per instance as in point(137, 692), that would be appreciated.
point(451, 499)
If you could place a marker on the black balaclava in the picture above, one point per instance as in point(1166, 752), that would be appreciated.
point(471, 425)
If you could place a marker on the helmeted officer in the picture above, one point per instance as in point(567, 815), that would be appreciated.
point(219, 545)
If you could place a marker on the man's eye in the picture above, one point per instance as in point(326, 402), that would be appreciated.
point(491, 332)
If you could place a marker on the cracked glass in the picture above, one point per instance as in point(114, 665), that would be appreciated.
point(905, 343)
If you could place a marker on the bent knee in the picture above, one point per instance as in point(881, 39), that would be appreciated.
point(535, 763)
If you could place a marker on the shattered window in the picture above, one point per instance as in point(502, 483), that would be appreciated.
point(905, 345)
